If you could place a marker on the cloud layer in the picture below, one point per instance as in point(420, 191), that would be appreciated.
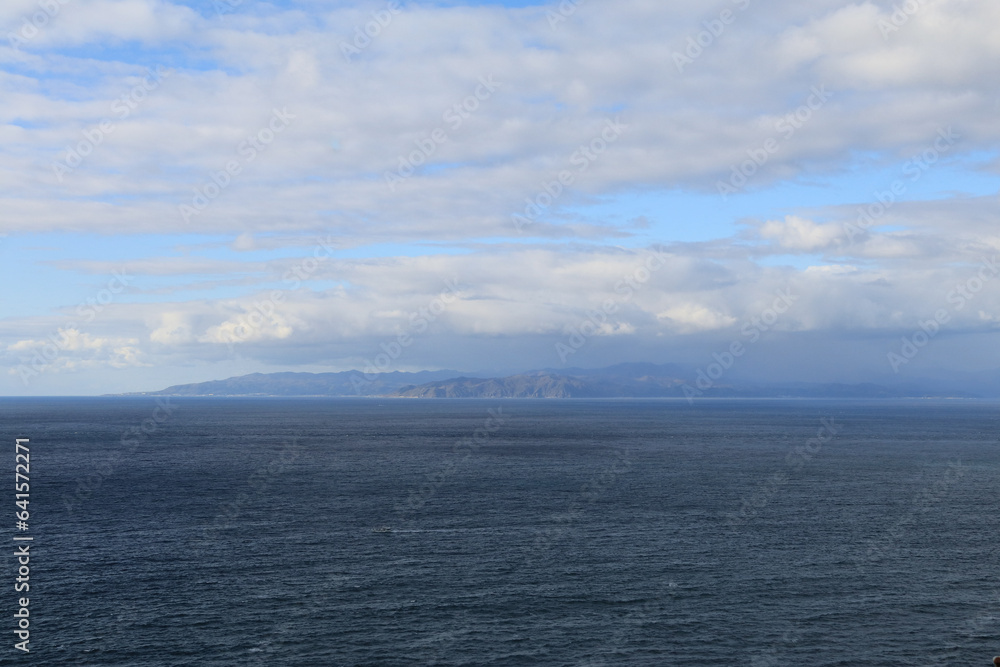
point(367, 161)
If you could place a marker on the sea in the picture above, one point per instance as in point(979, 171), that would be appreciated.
point(313, 531)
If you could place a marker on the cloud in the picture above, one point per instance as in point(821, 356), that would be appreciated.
point(694, 317)
point(174, 329)
point(475, 114)
point(801, 235)
point(72, 350)
point(355, 120)
point(249, 326)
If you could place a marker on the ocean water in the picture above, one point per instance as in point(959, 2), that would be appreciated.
point(366, 532)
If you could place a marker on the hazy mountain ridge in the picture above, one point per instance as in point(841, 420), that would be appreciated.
point(632, 380)
point(619, 381)
point(346, 383)
point(515, 386)
point(555, 386)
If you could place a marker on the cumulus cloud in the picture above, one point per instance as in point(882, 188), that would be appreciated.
point(73, 350)
point(694, 317)
point(800, 235)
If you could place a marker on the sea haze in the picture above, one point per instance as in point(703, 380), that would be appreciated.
point(511, 532)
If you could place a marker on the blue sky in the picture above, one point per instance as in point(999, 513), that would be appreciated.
point(284, 161)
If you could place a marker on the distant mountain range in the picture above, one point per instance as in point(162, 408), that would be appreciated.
point(347, 383)
point(635, 380)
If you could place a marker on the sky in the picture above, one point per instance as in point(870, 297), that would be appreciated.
point(203, 189)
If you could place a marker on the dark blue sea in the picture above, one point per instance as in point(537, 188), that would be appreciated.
point(423, 532)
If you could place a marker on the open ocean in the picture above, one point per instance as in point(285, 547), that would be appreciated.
point(509, 532)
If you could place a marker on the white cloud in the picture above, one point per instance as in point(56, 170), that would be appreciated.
point(174, 329)
point(251, 326)
point(70, 350)
point(556, 89)
point(355, 119)
point(694, 317)
point(801, 235)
